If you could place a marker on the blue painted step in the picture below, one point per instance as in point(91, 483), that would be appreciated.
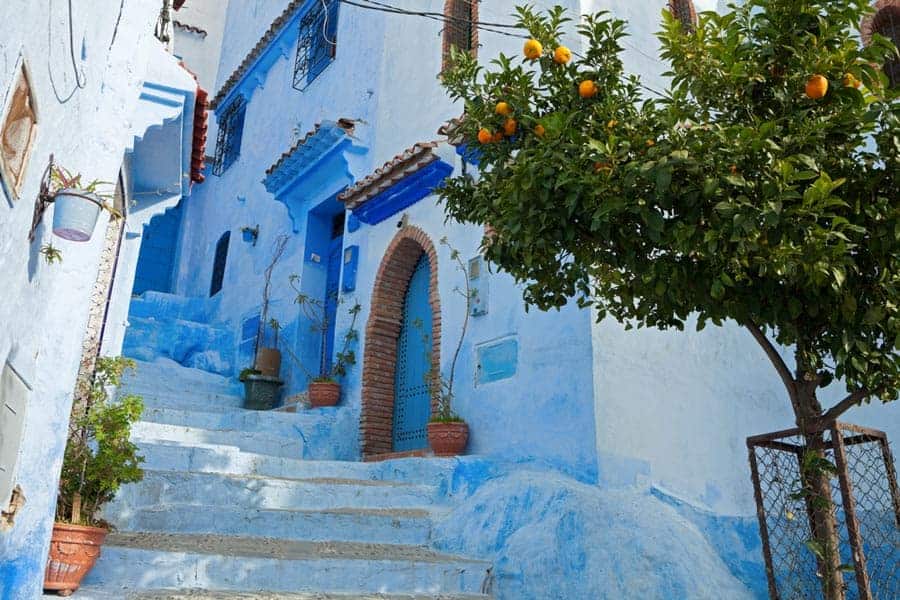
point(189, 343)
point(215, 489)
point(151, 561)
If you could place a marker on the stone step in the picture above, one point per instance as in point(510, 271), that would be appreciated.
point(152, 304)
point(269, 422)
point(153, 561)
point(196, 345)
point(168, 375)
point(195, 401)
point(228, 460)
point(175, 487)
point(119, 593)
point(411, 526)
point(248, 441)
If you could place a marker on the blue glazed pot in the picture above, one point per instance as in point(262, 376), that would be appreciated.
point(74, 216)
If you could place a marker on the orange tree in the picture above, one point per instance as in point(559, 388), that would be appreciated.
point(761, 187)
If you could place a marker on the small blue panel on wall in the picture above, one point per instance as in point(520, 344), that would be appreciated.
point(478, 282)
point(497, 360)
point(351, 261)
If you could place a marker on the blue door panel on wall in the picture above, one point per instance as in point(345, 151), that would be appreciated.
point(412, 400)
point(333, 278)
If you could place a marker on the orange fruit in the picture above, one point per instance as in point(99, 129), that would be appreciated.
point(533, 49)
point(650, 143)
point(816, 87)
point(562, 55)
point(602, 166)
point(587, 89)
point(484, 136)
point(612, 124)
point(497, 137)
point(851, 81)
point(733, 169)
point(539, 130)
point(503, 109)
point(510, 126)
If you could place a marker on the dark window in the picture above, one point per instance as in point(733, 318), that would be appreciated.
point(231, 129)
point(317, 45)
point(684, 11)
point(218, 274)
point(460, 17)
point(887, 23)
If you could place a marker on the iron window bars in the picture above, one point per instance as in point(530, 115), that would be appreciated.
point(231, 130)
point(317, 44)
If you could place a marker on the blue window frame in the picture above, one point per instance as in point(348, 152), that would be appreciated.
point(317, 45)
point(231, 130)
point(218, 274)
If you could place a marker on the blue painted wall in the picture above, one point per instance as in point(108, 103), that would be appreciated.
point(157, 257)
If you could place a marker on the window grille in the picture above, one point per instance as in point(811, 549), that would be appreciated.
point(887, 24)
point(684, 11)
point(17, 130)
point(218, 274)
point(460, 17)
point(317, 44)
point(231, 130)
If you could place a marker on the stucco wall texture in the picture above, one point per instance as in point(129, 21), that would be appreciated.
point(84, 123)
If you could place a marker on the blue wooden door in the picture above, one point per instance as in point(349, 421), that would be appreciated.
point(412, 401)
point(332, 282)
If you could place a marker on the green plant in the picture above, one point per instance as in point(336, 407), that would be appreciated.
point(51, 254)
point(278, 248)
point(61, 179)
point(248, 371)
point(315, 311)
point(99, 455)
point(442, 387)
point(733, 195)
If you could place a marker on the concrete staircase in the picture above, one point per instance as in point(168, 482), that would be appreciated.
point(231, 506)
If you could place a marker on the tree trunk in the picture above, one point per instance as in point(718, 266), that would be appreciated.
point(816, 482)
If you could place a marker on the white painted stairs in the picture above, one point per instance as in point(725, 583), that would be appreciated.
point(229, 509)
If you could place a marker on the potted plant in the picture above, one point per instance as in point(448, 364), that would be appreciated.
point(324, 388)
point(448, 433)
point(268, 358)
point(260, 390)
point(77, 205)
point(99, 458)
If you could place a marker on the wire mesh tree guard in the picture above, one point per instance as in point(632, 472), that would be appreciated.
point(866, 507)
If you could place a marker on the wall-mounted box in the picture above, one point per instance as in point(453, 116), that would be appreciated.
point(496, 360)
point(478, 286)
point(351, 262)
point(13, 396)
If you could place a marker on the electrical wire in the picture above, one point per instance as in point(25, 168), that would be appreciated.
point(325, 25)
point(79, 83)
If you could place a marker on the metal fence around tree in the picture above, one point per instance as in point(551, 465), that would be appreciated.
point(865, 504)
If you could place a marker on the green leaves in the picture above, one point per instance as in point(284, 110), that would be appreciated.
point(733, 196)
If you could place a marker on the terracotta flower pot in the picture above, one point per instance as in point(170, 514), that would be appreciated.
point(268, 361)
point(448, 439)
point(73, 551)
point(324, 393)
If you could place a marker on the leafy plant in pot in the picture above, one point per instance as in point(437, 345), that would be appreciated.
point(324, 388)
point(261, 381)
point(99, 458)
point(77, 205)
point(448, 433)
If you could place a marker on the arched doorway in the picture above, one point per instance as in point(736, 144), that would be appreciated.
point(404, 326)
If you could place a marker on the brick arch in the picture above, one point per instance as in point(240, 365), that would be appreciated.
point(383, 330)
point(881, 11)
point(684, 11)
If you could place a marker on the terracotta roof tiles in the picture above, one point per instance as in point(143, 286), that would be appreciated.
point(401, 166)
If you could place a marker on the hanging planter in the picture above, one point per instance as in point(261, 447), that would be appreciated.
point(77, 205)
point(75, 214)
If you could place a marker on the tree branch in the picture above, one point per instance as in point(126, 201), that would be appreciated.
point(844, 405)
point(783, 371)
